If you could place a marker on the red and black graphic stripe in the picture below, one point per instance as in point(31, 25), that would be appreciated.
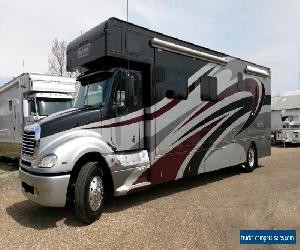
point(248, 85)
point(234, 105)
point(122, 123)
point(255, 110)
point(166, 167)
point(194, 163)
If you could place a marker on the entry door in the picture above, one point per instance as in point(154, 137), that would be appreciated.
point(128, 124)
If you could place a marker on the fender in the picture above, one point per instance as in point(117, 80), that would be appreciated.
point(70, 146)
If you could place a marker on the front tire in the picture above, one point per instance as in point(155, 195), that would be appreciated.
point(251, 163)
point(89, 193)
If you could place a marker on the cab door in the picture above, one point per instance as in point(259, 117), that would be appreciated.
point(128, 122)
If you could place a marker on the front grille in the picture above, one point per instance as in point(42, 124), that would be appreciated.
point(28, 144)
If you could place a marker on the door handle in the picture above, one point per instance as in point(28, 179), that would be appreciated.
point(133, 138)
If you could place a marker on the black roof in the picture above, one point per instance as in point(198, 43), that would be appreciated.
point(94, 33)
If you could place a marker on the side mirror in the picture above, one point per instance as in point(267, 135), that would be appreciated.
point(118, 110)
point(159, 74)
point(130, 88)
point(114, 110)
point(25, 109)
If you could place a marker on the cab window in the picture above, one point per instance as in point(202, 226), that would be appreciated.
point(121, 97)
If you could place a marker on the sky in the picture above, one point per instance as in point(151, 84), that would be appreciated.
point(262, 31)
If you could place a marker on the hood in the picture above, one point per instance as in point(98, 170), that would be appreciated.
point(68, 119)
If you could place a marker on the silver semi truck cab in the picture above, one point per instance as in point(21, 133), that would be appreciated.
point(55, 148)
point(27, 99)
point(150, 109)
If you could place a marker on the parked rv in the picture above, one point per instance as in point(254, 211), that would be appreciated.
point(285, 107)
point(289, 133)
point(150, 109)
point(27, 99)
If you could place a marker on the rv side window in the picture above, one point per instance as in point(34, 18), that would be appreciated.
point(209, 88)
point(10, 105)
point(176, 85)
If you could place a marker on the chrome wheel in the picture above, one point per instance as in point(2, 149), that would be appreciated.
point(96, 193)
point(251, 157)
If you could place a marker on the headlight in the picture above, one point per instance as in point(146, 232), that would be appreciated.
point(48, 161)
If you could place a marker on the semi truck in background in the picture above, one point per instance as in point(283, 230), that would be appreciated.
point(150, 109)
point(27, 99)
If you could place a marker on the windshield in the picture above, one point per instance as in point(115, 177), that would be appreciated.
point(93, 90)
point(48, 106)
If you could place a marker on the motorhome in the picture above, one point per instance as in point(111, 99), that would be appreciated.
point(290, 131)
point(286, 107)
point(27, 99)
point(150, 109)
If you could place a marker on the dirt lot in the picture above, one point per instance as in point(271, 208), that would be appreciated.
point(205, 212)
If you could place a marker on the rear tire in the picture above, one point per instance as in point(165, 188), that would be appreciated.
point(89, 193)
point(251, 163)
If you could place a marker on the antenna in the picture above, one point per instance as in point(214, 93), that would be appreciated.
point(127, 37)
point(23, 66)
point(127, 12)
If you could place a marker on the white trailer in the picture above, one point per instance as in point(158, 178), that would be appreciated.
point(26, 99)
point(290, 131)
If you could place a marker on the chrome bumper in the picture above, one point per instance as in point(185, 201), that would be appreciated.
point(49, 191)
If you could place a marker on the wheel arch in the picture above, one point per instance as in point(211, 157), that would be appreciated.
point(90, 157)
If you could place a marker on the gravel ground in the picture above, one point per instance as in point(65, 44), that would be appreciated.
point(205, 212)
point(7, 168)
